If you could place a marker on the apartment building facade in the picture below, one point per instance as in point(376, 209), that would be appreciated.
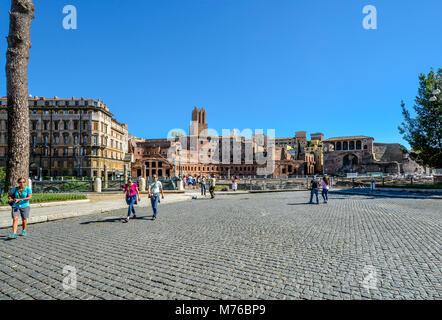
point(71, 137)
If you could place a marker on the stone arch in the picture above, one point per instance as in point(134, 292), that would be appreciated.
point(350, 160)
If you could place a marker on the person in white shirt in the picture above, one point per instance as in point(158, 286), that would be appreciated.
point(155, 188)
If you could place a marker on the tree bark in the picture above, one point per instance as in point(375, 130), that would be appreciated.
point(17, 58)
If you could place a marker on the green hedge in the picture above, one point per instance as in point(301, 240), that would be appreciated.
point(48, 197)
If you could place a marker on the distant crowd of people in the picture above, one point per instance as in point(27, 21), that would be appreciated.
point(201, 181)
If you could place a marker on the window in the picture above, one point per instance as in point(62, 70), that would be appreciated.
point(56, 140)
point(66, 111)
point(352, 145)
point(34, 125)
point(45, 125)
point(95, 139)
point(75, 139)
point(66, 103)
point(95, 125)
point(358, 145)
point(34, 111)
point(34, 140)
point(56, 125)
point(338, 145)
point(66, 125)
point(66, 139)
point(65, 151)
point(76, 103)
point(86, 103)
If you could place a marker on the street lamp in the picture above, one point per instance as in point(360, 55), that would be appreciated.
point(179, 162)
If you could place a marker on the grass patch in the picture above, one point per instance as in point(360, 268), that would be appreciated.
point(412, 186)
point(221, 188)
point(48, 197)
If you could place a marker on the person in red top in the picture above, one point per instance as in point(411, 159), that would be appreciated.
point(132, 193)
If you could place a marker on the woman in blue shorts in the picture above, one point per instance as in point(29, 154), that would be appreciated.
point(19, 198)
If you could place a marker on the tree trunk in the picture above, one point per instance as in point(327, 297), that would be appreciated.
point(17, 58)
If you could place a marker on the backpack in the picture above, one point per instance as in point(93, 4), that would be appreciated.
point(314, 184)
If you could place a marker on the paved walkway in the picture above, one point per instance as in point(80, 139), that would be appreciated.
point(248, 246)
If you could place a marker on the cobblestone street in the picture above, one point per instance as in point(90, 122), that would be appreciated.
point(249, 246)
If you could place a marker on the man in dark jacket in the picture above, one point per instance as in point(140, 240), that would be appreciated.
point(314, 185)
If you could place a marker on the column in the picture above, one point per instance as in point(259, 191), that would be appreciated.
point(105, 177)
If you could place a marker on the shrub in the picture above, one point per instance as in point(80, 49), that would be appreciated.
point(48, 197)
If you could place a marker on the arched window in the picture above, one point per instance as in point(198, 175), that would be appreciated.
point(352, 145)
point(345, 145)
point(358, 145)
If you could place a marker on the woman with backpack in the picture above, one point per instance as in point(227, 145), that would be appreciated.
point(19, 198)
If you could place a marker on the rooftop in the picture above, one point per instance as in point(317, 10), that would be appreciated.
point(349, 138)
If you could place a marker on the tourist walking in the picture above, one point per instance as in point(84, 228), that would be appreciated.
point(212, 183)
point(203, 185)
point(314, 190)
point(189, 182)
point(132, 193)
point(155, 188)
point(325, 186)
point(194, 183)
point(234, 184)
point(19, 198)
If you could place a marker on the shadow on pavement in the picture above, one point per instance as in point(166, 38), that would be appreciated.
point(122, 219)
point(298, 204)
point(106, 220)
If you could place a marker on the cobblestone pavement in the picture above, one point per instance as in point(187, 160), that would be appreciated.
point(252, 246)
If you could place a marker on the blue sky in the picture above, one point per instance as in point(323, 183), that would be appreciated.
point(290, 65)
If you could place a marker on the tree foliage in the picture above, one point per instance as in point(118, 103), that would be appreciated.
point(423, 132)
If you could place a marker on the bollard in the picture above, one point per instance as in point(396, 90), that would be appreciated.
point(142, 185)
point(97, 185)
